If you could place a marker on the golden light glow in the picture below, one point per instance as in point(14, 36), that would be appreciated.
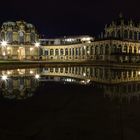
point(31, 72)
point(31, 49)
point(37, 76)
point(3, 43)
point(4, 77)
point(3, 54)
point(37, 44)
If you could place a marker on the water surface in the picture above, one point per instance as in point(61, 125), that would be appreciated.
point(70, 103)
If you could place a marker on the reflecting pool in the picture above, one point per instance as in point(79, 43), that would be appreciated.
point(70, 103)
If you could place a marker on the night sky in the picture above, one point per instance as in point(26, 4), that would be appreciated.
point(55, 18)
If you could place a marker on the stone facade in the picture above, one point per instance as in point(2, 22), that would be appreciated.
point(120, 42)
point(20, 38)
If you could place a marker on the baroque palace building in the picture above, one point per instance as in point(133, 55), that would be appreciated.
point(18, 41)
point(120, 42)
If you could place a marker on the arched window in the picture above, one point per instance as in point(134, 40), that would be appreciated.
point(113, 34)
point(21, 37)
point(126, 34)
point(118, 34)
point(46, 52)
point(73, 51)
point(119, 50)
point(91, 50)
point(66, 51)
point(32, 37)
point(79, 51)
point(135, 50)
point(125, 49)
point(56, 52)
point(51, 52)
point(108, 34)
point(76, 51)
point(61, 52)
point(83, 50)
point(40, 51)
point(130, 49)
point(135, 35)
point(96, 50)
point(70, 51)
point(2, 36)
point(106, 49)
point(9, 36)
point(101, 49)
point(130, 35)
point(114, 49)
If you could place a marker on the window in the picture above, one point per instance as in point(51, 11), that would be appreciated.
point(130, 49)
point(96, 50)
point(106, 49)
point(56, 52)
point(9, 37)
point(21, 37)
point(51, 52)
point(125, 34)
point(135, 35)
point(130, 35)
point(46, 52)
point(118, 34)
point(32, 37)
point(101, 50)
point(66, 51)
point(61, 52)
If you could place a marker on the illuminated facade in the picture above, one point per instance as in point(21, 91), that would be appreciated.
point(18, 41)
point(120, 42)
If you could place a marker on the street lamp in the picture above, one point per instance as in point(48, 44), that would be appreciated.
point(4, 77)
point(37, 76)
point(4, 44)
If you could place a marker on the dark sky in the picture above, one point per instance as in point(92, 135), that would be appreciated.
point(68, 17)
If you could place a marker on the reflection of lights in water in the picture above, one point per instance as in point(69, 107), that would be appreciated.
point(31, 72)
point(37, 76)
point(84, 74)
point(3, 54)
point(85, 81)
point(84, 47)
point(4, 77)
point(69, 80)
point(8, 72)
point(31, 49)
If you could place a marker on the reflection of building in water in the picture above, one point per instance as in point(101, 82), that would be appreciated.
point(121, 83)
point(21, 83)
point(96, 74)
point(18, 84)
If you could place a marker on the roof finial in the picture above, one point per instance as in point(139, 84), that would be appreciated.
point(120, 15)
